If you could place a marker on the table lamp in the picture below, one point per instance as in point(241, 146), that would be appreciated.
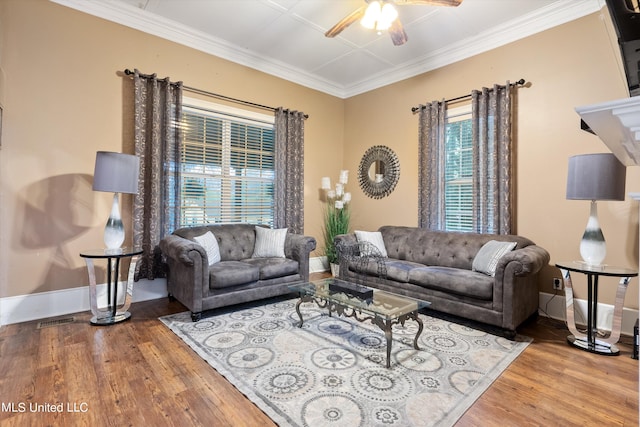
point(115, 173)
point(595, 177)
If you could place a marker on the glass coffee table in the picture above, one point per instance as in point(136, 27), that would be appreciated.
point(347, 299)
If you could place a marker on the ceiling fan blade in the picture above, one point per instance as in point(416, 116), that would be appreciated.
point(452, 3)
point(396, 31)
point(346, 21)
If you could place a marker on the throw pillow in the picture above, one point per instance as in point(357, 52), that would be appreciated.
point(210, 244)
point(269, 243)
point(486, 260)
point(373, 237)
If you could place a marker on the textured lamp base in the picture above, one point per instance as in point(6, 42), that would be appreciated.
point(593, 248)
point(114, 229)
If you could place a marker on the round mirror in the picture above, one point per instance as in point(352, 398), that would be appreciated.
point(379, 171)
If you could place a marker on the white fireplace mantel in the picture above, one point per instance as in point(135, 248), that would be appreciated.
point(617, 124)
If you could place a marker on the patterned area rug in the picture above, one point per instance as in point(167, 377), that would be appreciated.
point(331, 372)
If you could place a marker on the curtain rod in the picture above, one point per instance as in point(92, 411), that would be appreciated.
point(459, 98)
point(128, 72)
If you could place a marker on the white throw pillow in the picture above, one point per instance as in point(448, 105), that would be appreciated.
point(269, 243)
point(210, 244)
point(486, 260)
point(373, 237)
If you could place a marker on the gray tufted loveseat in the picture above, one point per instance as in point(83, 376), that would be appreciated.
point(438, 266)
point(238, 277)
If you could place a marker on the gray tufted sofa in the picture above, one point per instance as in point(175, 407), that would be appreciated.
point(436, 266)
point(238, 277)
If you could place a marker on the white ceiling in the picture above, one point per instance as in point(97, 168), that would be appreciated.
point(286, 38)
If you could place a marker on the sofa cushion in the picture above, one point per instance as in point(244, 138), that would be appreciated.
point(400, 270)
point(454, 280)
point(486, 260)
point(210, 244)
point(232, 273)
point(395, 269)
point(269, 242)
point(374, 238)
point(271, 268)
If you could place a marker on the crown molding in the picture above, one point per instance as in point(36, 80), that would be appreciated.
point(557, 13)
point(133, 17)
point(546, 18)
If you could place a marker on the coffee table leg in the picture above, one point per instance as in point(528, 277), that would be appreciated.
point(387, 334)
point(303, 298)
point(386, 326)
point(420, 327)
point(298, 311)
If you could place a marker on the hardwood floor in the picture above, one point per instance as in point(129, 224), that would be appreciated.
point(139, 373)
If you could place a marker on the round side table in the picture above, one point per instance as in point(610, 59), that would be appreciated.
point(112, 314)
point(589, 341)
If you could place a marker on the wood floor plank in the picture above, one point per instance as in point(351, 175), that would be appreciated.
point(140, 373)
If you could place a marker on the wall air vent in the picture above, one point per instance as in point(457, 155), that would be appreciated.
point(55, 322)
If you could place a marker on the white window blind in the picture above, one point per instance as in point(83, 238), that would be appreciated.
point(227, 166)
point(459, 171)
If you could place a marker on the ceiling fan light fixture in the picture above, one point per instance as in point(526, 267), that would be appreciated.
point(379, 16)
point(371, 15)
point(388, 14)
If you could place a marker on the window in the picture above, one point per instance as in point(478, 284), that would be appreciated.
point(465, 181)
point(227, 165)
point(459, 170)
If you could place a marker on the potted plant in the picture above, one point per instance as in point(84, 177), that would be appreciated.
point(336, 216)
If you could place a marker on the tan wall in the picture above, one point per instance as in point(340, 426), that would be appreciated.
point(65, 98)
point(568, 66)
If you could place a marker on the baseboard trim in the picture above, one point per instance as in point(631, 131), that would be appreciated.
point(24, 308)
point(318, 264)
point(42, 305)
point(554, 306)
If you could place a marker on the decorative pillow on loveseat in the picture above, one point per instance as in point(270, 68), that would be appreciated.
point(269, 243)
point(210, 244)
point(486, 260)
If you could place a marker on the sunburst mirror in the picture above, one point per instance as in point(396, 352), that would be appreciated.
point(379, 171)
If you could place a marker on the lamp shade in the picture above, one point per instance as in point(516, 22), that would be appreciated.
point(596, 177)
point(116, 172)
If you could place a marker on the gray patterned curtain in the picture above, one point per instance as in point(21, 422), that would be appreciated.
point(157, 118)
point(431, 209)
point(492, 188)
point(289, 185)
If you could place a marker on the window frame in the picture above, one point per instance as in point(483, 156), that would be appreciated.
point(227, 115)
point(465, 183)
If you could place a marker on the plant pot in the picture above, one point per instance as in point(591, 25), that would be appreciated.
point(335, 270)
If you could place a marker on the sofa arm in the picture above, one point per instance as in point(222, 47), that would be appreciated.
point(180, 249)
point(524, 262)
point(299, 247)
point(345, 239)
point(515, 290)
point(188, 278)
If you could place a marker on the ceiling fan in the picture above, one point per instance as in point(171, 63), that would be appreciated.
point(381, 15)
